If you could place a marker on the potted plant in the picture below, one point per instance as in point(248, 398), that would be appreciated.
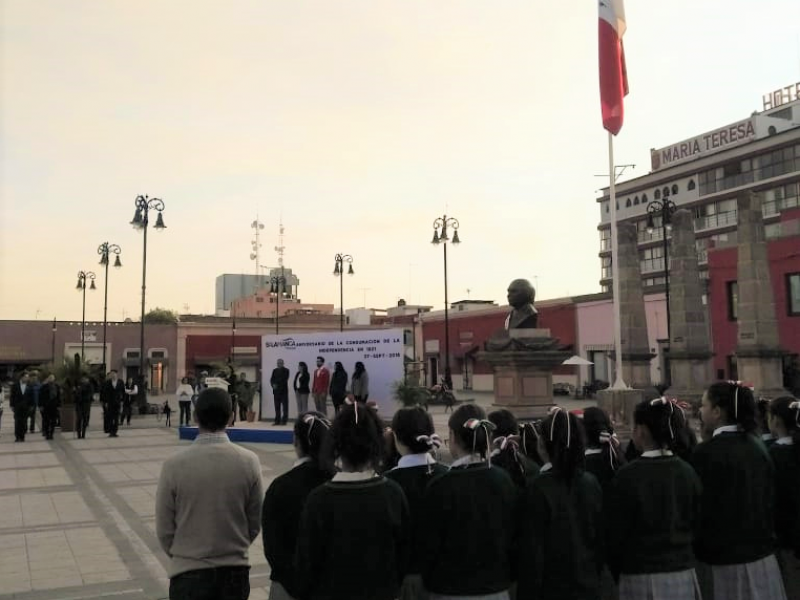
point(410, 395)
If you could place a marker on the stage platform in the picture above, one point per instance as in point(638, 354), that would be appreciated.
point(257, 432)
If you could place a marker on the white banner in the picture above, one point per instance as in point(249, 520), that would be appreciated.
point(380, 350)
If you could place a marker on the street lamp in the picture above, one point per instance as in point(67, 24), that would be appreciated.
point(105, 251)
point(277, 286)
point(338, 271)
point(663, 209)
point(440, 236)
point(140, 222)
point(82, 277)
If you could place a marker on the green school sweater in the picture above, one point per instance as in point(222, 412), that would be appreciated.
point(280, 518)
point(787, 496)
point(414, 480)
point(560, 547)
point(737, 509)
point(354, 541)
point(652, 511)
point(599, 465)
point(470, 520)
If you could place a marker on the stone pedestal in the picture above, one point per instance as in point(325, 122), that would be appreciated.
point(523, 364)
point(690, 346)
point(619, 405)
point(758, 352)
point(67, 418)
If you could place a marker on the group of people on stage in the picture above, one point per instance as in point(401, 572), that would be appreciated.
point(551, 510)
point(319, 385)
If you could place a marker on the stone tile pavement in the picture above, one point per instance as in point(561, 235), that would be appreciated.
point(77, 517)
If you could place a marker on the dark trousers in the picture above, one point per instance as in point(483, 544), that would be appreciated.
point(281, 406)
point(49, 422)
point(20, 423)
point(338, 400)
point(82, 412)
point(112, 415)
point(242, 411)
point(186, 411)
point(221, 583)
point(32, 418)
point(127, 410)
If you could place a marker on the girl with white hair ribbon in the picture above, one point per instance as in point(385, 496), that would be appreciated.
point(561, 524)
point(735, 539)
point(469, 518)
point(653, 509)
point(417, 442)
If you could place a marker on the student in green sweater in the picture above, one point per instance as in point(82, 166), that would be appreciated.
point(735, 537)
point(285, 499)
point(653, 509)
point(784, 422)
point(603, 455)
point(506, 452)
point(529, 441)
point(470, 518)
point(354, 538)
point(561, 524)
point(415, 439)
point(762, 418)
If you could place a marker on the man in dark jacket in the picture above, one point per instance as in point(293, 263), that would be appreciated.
point(112, 395)
point(280, 388)
point(22, 402)
point(83, 406)
point(49, 402)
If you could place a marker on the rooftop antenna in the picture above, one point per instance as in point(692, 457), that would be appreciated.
point(255, 255)
point(280, 248)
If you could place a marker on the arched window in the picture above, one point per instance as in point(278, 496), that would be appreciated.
point(636, 201)
point(644, 198)
point(665, 192)
point(607, 207)
point(675, 189)
point(691, 185)
point(628, 202)
point(657, 194)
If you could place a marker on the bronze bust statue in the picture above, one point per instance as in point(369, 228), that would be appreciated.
point(523, 314)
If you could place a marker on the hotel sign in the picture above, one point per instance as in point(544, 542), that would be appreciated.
point(712, 142)
point(785, 95)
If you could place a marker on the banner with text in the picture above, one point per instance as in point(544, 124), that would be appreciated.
point(381, 351)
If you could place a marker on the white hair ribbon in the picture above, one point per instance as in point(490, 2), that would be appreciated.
point(354, 404)
point(795, 406)
point(665, 402)
point(554, 412)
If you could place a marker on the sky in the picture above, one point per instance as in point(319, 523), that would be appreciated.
point(358, 122)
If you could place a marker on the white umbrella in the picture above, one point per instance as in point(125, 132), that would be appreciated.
point(577, 360)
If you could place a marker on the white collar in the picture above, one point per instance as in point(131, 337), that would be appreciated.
point(785, 441)
point(301, 461)
point(354, 476)
point(767, 437)
point(415, 460)
point(726, 429)
point(469, 459)
point(546, 467)
point(590, 451)
point(657, 453)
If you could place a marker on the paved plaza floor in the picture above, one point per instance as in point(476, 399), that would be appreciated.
point(77, 517)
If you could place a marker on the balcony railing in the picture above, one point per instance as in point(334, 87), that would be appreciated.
point(652, 265)
point(714, 221)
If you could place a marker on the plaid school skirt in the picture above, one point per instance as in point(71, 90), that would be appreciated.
point(758, 580)
point(676, 585)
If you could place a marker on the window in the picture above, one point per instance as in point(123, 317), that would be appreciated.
point(793, 294)
point(674, 189)
point(732, 292)
point(691, 185)
point(259, 298)
point(605, 271)
point(657, 194)
point(644, 198)
point(636, 201)
point(628, 202)
point(665, 192)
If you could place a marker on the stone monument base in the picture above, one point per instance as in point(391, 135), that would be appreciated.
point(764, 369)
point(690, 373)
point(523, 371)
point(619, 405)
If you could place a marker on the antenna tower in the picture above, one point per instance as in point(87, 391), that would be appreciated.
point(255, 255)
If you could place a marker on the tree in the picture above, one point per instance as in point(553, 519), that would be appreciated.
point(161, 316)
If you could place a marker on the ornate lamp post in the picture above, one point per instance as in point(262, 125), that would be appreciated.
point(338, 271)
point(277, 286)
point(140, 222)
point(105, 251)
point(663, 209)
point(440, 236)
point(82, 277)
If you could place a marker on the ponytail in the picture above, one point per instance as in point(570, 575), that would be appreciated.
point(563, 440)
point(737, 401)
point(471, 429)
point(787, 409)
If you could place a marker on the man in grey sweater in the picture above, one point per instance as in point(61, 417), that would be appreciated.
point(208, 509)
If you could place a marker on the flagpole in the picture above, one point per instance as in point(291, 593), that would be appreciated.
point(619, 382)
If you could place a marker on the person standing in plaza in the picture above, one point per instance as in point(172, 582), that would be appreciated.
point(302, 379)
point(338, 386)
point(49, 403)
point(36, 385)
point(2, 401)
point(83, 406)
point(208, 509)
point(319, 386)
point(21, 403)
point(112, 395)
point(280, 389)
point(184, 394)
point(360, 383)
point(244, 396)
point(131, 391)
